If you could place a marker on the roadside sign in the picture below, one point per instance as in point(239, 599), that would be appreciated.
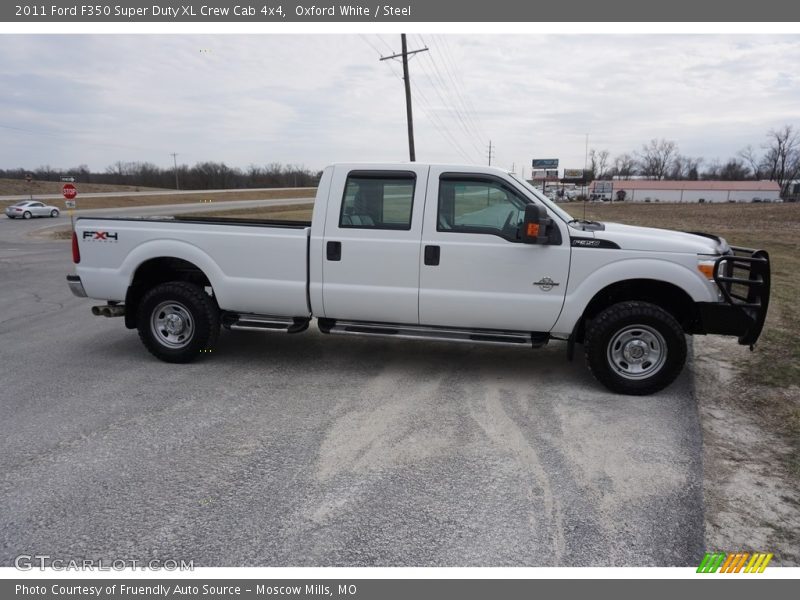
point(69, 203)
point(68, 191)
point(545, 163)
point(573, 173)
point(67, 179)
point(28, 177)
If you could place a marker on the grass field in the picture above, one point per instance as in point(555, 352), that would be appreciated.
point(16, 187)
point(159, 199)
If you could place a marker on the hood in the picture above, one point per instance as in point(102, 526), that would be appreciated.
point(651, 239)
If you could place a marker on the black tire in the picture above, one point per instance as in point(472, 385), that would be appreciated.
point(651, 333)
point(193, 307)
point(54, 213)
point(27, 215)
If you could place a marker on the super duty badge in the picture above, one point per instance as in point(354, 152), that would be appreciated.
point(592, 243)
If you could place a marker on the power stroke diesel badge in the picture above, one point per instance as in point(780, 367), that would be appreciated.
point(545, 284)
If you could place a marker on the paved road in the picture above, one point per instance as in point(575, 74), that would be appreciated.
point(313, 450)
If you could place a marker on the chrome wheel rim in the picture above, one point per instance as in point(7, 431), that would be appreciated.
point(172, 324)
point(637, 352)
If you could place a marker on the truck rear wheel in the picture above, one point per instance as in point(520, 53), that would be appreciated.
point(635, 348)
point(177, 321)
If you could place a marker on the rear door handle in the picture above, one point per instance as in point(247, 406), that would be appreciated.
point(333, 250)
point(432, 255)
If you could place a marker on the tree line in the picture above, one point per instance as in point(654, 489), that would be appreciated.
point(777, 159)
point(202, 176)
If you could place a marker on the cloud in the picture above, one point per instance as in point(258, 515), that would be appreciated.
point(315, 99)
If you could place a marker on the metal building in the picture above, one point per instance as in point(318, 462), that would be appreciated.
point(646, 190)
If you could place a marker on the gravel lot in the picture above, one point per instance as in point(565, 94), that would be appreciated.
point(314, 450)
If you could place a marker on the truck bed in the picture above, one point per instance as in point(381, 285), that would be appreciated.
point(254, 266)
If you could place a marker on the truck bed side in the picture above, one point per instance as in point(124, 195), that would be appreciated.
point(253, 266)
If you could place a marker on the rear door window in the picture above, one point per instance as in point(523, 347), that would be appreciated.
point(378, 200)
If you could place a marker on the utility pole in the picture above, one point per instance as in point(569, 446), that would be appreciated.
point(585, 168)
point(175, 162)
point(409, 116)
point(491, 153)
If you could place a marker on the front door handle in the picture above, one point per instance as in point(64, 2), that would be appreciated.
point(432, 255)
point(333, 250)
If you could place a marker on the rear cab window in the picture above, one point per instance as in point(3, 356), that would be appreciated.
point(378, 200)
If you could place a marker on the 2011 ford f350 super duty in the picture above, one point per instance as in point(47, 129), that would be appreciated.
point(460, 253)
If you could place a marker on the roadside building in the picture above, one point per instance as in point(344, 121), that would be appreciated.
point(646, 190)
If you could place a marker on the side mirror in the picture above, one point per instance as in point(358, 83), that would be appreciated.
point(536, 226)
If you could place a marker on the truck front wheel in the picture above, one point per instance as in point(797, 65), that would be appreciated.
point(635, 348)
point(177, 321)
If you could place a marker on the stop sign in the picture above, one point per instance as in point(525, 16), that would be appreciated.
point(69, 191)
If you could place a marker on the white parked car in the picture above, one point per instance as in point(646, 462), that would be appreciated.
point(31, 208)
point(431, 252)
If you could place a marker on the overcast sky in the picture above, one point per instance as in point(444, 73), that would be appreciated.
point(315, 99)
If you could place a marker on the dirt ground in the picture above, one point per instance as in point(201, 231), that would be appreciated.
point(751, 486)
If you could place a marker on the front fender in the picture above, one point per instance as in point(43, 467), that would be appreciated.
point(587, 280)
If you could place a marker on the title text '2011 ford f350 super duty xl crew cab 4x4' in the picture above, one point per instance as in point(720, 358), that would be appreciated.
point(460, 253)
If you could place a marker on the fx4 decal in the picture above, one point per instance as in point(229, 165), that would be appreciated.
point(102, 236)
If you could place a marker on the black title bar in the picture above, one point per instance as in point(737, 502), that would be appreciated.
point(441, 11)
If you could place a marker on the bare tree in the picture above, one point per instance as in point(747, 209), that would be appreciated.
point(624, 166)
point(713, 170)
point(599, 163)
point(782, 158)
point(734, 170)
point(656, 158)
point(684, 167)
point(752, 160)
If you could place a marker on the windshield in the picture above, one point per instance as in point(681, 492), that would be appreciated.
point(564, 215)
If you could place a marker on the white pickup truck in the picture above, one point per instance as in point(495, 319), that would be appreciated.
point(435, 252)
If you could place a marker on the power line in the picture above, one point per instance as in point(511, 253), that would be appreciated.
point(427, 108)
point(451, 83)
point(441, 84)
point(466, 99)
point(385, 43)
point(445, 104)
point(371, 45)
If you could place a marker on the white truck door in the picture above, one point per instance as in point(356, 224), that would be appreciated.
point(371, 251)
point(473, 271)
